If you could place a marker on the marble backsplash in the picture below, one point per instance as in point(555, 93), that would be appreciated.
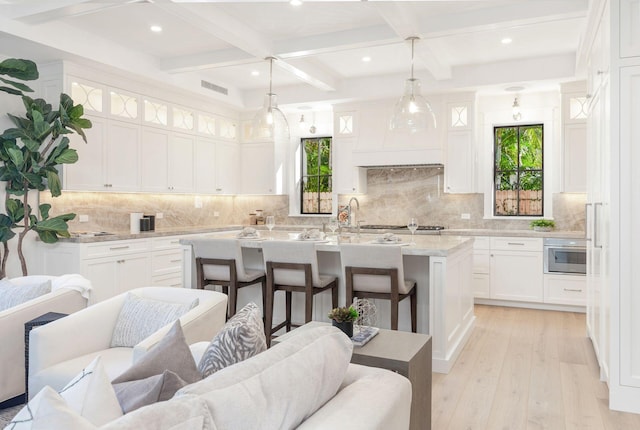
point(393, 196)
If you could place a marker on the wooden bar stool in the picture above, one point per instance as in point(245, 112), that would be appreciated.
point(376, 272)
point(292, 267)
point(219, 262)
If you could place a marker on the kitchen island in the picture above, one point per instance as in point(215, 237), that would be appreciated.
point(441, 266)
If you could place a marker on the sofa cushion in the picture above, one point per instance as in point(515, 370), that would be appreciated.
point(91, 395)
point(241, 337)
point(14, 294)
point(281, 387)
point(142, 392)
point(171, 353)
point(187, 413)
point(48, 410)
point(140, 317)
point(114, 360)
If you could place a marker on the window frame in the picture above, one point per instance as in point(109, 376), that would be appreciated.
point(519, 170)
point(304, 175)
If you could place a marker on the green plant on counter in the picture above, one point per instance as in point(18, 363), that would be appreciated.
point(343, 314)
point(30, 153)
point(548, 223)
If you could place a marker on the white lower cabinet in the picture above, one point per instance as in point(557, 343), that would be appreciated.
point(565, 289)
point(481, 268)
point(114, 267)
point(516, 275)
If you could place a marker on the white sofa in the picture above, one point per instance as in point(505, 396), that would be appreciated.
point(62, 299)
point(60, 350)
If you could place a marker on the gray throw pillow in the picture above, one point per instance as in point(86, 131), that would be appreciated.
point(241, 337)
point(12, 295)
point(142, 392)
point(141, 317)
point(171, 353)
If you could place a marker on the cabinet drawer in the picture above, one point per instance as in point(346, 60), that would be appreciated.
point(168, 281)
point(164, 262)
point(516, 244)
point(565, 290)
point(481, 286)
point(116, 247)
point(482, 243)
point(169, 242)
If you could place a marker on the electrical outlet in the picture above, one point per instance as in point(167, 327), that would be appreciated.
point(159, 215)
point(465, 216)
point(216, 214)
point(83, 218)
point(198, 202)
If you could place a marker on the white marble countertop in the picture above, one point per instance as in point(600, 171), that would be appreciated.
point(424, 245)
point(180, 231)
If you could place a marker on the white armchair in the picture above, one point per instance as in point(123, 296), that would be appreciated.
point(61, 299)
point(60, 350)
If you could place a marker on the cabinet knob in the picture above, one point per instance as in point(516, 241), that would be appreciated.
point(218, 189)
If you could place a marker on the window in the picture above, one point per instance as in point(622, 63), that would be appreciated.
point(316, 176)
point(518, 170)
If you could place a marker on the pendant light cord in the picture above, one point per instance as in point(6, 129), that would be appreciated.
point(270, 75)
point(412, 42)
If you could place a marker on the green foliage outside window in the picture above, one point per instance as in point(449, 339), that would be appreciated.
point(519, 168)
point(316, 175)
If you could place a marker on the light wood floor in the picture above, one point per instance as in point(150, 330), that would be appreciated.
point(525, 369)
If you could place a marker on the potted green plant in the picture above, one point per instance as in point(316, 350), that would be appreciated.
point(30, 153)
point(343, 318)
point(543, 224)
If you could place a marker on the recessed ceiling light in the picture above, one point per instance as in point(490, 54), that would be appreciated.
point(506, 40)
point(155, 28)
point(366, 59)
point(295, 2)
point(255, 73)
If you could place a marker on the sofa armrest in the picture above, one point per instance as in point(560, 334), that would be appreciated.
point(369, 398)
point(201, 323)
point(12, 334)
point(83, 332)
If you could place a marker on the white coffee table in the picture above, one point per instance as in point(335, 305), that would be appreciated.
point(408, 354)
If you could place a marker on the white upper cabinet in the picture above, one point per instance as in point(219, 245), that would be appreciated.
point(226, 167)
point(155, 163)
point(180, 153)
point(122, 156)
point(89, 172)
point(258, 168)
point(347, 179)
point(629, 28)
point(459, 165)
point(575, 111)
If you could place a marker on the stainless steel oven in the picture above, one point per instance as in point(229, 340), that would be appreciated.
point(565, 256)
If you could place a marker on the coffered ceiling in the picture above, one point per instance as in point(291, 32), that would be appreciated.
point(319, 45)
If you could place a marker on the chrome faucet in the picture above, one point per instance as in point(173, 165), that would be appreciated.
point(349, 206)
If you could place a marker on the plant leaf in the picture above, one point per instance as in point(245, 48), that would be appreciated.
point(44, 210)
point(53, 182)
point(25, 70)
point(68, 156)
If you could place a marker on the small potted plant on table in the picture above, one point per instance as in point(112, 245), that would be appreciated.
point(343, 318)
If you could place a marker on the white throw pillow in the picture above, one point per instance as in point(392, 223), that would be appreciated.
point(12, 295)
point(91, 394)
point(140, 317)
point(48, 410)
point(280, 387)
point(241, 337)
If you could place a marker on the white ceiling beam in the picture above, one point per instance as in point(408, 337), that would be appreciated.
point(399, 18)
point(38, 12)
point(233, 31)
point(309, 71)
point(219, 58)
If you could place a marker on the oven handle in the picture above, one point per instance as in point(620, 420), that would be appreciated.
point(595, 225)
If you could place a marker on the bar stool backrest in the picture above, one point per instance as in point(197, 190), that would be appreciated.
point(373, 256)
point(224, 249)
point(291, 252)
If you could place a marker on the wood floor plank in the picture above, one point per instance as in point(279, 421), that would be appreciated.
point(512, 391)
point(478, 396)
point(545, 407)
point(487, 389)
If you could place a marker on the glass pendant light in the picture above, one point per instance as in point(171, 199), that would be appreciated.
point(515, 110)
point(269, 120)
point(412, 112)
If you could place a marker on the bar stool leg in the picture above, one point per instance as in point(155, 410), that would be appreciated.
point(233, 301)
point(268, 312)
point(414, 311)
point(288, 310)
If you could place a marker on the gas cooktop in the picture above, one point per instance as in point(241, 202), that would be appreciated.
point(399, 227)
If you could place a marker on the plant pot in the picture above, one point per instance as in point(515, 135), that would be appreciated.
point(346, 327)
point(538, 228)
